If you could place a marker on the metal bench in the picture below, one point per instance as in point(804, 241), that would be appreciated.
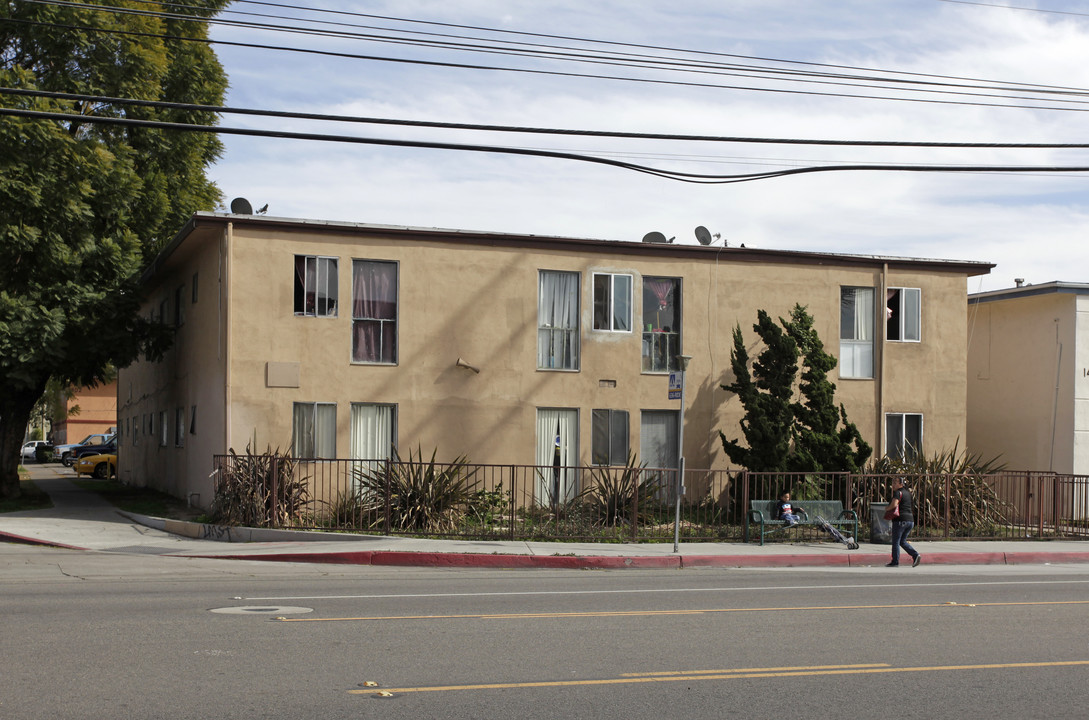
point(762, 515)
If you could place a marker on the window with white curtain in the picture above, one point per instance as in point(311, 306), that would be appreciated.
point(903, 312)
point(609, 437)
point(856, 332)
point(903, 435)
point(612, 302)
point(162, 428)
point(374, 311)
point(315, 286)
point(374, 434)
point(557, 455)
point(314, 430)
point(558, 320)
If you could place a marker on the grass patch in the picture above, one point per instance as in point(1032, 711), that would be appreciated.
point(139, 500)
point(31, 497)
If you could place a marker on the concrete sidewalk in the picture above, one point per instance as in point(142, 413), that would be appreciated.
point(82, 520)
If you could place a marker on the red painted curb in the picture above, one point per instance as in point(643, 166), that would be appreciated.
point(12, 537)
point(765, 561)
point(570, 562)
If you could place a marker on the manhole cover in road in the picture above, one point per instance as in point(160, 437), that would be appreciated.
point(263, 610)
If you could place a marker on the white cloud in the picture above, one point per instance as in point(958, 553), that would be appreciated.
point(1031, 226)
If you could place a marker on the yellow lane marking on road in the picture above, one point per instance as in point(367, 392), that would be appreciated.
point(667, 673)
point(646, 613)
point(730, 675)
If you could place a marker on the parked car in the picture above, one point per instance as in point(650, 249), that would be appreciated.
point(102, 465)
point(108, 447)
point(31, 447)
point(64, 452)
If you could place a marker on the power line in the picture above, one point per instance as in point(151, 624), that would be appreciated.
point(697, 178)
point(324, 117)
point(1015, 7)
point(795, 75)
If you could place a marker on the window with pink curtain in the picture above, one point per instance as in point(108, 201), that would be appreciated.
point(661, 324)
point(374, 311)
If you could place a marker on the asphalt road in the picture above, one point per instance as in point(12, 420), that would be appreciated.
point(96, 635)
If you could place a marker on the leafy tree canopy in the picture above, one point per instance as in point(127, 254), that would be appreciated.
point(84, 206)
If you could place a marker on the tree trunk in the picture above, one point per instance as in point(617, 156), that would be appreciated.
point(15, 409)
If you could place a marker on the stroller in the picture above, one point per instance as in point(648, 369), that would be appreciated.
point(836, 534)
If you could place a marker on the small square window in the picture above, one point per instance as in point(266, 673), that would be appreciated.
point(315, 286)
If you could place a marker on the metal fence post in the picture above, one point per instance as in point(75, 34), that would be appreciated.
point(512, 501)
point(744, 479)
point(275, 505)
point(386, 485)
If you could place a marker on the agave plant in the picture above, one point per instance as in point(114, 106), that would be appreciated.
point(949, 482)
point(260, 490)
point(421, 496)
point(619, 496)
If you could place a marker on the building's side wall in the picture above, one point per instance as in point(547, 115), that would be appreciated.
point(479, 303)
point(97, 413)
point(1081, 386)
point(189, 377)
point(1020, 381)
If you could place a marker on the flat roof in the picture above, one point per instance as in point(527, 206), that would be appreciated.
point(545, 242)
point(1048, 288)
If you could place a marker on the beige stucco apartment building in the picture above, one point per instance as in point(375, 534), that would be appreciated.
point(338, 339)
point(1028, 377)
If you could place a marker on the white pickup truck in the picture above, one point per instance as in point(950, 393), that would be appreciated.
point(64, 452)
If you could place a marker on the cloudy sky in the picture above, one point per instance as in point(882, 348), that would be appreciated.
point(857, 70)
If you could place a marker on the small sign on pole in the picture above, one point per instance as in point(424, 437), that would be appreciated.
point(674, 386)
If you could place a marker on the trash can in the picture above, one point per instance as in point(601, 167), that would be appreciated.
point(880, 528)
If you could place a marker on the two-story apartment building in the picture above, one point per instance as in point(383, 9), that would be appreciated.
point(340, 339)
point(1028, 376)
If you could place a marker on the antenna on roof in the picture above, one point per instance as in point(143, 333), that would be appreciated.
point(241, 206)
point(656, 237)
point(703, 235)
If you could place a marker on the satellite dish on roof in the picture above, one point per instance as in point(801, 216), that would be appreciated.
point(654, 237)
point(703, 235)
point(241, 206)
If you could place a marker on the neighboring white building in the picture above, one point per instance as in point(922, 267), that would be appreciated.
point(1028, 377)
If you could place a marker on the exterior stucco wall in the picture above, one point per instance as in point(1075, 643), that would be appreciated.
point(477, 300)
point(189, 376)
point(1022, 374)
point(97, 414)
point(479, 303)
point(1081, 386)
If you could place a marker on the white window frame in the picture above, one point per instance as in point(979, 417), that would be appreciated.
point(856, 334)
point(616, 436)
point(904, 314)
point(308, 419)
point(613, 302)
point(558, 320)
point(325, 269)
point(899, 445)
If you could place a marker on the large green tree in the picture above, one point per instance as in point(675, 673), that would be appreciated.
point(83, 206)
point(783, 434)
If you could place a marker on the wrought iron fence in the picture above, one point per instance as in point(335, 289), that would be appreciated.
point(627, 504)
